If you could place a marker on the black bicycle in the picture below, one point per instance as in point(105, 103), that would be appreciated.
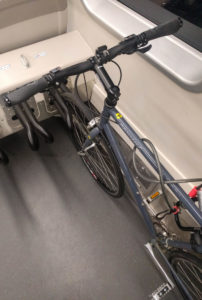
point(100, 151)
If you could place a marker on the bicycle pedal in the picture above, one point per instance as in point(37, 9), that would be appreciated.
point(161, 291)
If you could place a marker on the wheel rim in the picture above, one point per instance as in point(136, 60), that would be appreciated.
point(96, 159)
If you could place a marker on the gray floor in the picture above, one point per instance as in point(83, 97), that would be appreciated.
point(62, 237)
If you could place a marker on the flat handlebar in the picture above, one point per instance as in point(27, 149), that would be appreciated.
point(127, 46)
point(164, 29)
point(28, 90)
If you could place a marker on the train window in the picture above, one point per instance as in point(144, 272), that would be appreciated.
point(159, 11)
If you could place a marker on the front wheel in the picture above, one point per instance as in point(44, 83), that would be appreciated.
point(189, 269)
point(99, 160)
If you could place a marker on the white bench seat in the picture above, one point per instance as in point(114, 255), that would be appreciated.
point(61, 51)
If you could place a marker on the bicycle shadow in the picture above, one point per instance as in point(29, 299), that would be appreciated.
point(61, 163)
point(14, 198)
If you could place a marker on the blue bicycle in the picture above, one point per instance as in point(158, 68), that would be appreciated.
point(98, 147)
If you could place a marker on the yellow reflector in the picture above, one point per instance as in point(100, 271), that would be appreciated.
point(154, 195)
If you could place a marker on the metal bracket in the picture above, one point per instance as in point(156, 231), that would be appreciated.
point(83, 152)
point(165, 288)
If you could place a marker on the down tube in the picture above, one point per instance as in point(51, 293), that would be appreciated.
point(175, 188)
point(128, 175)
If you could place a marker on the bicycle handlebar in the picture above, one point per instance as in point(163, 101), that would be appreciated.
point(164, 29)
point(127, 46)
point(23, 93)
point(28, 90)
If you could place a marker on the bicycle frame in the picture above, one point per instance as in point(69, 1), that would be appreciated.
point(175, 188)
point(108, 111)
point(103, 125)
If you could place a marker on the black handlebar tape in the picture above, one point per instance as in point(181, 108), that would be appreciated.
point(25, 92)
point(163, 29)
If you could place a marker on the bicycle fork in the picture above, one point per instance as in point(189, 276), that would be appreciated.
point(89, 143)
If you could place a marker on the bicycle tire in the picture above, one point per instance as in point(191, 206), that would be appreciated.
point(99, 160)
point(189, 269)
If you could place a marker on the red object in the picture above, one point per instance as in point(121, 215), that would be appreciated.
point(177, 210)
point(193, 192)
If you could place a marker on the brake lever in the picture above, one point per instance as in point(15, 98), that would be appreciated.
point(144, 49)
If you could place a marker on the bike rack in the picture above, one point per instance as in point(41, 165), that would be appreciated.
point(31, 135)
point(33, 121)
point(60, 105)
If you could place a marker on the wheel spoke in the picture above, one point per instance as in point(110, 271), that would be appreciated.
point(103, 170)
point(108, 171)
point(104, 175)
point(190, 277)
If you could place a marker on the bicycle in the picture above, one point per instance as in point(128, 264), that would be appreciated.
point(99, 149)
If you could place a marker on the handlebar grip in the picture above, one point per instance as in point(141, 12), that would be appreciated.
point(74, 70)
point(25, 92)
point(163, 29)
point(116, 50)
